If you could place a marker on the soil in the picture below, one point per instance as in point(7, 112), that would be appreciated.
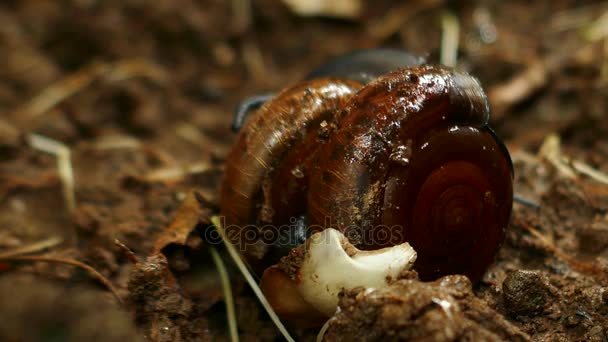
point(115, 121)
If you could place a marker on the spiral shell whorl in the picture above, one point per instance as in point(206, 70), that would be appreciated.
point(402, 139)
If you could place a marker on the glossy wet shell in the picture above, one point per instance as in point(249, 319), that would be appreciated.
point(414, 160)
point(283, 131)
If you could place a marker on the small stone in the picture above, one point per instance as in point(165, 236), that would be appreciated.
point(525, 292)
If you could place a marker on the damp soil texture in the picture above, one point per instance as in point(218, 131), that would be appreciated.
point(115, 124)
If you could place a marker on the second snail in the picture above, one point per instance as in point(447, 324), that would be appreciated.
point(390, 159)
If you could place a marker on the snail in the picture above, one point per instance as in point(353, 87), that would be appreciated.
point(383, 150)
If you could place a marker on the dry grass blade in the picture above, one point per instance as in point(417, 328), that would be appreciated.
point(65, 88)
point(552, 152)
point(254, 286)
point(567, 167)
point(599, 29)
point(169, 174)
point(59, 91)
point(229, 299)
point(35, 247)
point(576, 18)
point(322, 332)
point(346, 9)
point(116, 142)
point(72, 262)
point(64, 165)
point(131, 68)
point(450, 27)
point(589, 171)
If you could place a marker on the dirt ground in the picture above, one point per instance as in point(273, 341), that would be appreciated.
point(114, 114)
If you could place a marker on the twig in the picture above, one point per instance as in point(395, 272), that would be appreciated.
point(533, 78)
point(32, 248)
point(72, 262)
point(450, 32)
point(518, 88)
point(64, 165)
point(133, 259)
point(254, 286)
point(525, 201)
point(228, 298)
point(577, 265)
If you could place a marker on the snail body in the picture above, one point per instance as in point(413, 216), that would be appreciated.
point(365, 66)
point(395, 157)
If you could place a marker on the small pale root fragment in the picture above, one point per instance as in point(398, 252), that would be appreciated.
point(328, 268)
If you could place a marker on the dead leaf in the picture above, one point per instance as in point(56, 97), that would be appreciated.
point(186, 218)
